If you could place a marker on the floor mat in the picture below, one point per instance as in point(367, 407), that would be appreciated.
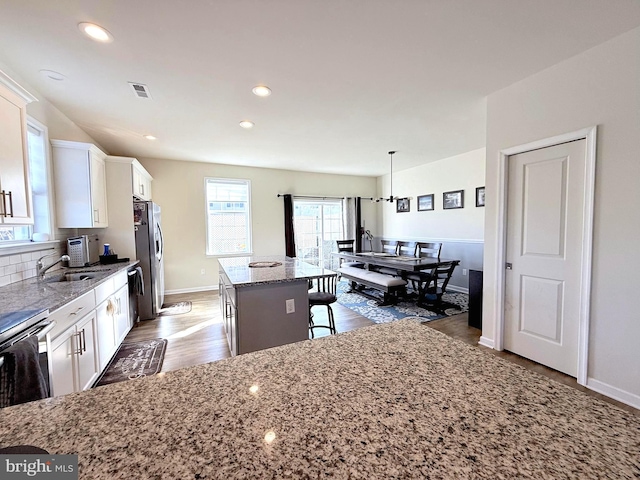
point(134, 360)
point(178, 308)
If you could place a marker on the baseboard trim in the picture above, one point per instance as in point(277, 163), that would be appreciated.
point(613, 392)
point(191, 290)
point(455, 288)
point(486, 342)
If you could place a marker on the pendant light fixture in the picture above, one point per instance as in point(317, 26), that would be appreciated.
point(390, 198)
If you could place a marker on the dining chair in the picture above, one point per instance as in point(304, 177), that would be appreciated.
point(347, 246)
point(323, 294)
point(434, 285)
point(428, 249)
point(389, 246)
point(407, 249)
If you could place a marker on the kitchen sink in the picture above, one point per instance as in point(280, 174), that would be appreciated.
point(71, 277)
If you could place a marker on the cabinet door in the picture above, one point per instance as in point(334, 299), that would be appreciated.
point(15, 208)
point(146, 187)
point(141, 182)
point(122, 323)
point(105, 331)
point(99, 191)
point(87, 352)
point(63, 359)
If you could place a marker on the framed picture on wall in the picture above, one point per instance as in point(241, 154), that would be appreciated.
point(480, 197)
point(454, 199)
point(425, 202)
point(402, 205)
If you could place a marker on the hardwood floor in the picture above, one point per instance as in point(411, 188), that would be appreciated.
point(198, 336)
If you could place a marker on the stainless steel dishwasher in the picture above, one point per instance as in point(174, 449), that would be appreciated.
point(134, 276)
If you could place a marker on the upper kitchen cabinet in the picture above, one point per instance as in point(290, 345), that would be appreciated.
point(141, 181)
point(79, 178)
point(15, 192)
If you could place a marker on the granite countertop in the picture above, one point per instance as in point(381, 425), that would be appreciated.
point(36, 295)
point(398, 400)
point(291, 269)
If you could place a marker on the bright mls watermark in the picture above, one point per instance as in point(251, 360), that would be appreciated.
point(53, 467)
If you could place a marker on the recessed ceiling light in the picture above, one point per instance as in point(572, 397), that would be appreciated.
point(96, 32)
point(246, 124)
point(150, 137)
point(53, 75)
point(261, 90)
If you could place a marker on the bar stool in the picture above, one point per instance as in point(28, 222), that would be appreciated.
point(324, 294)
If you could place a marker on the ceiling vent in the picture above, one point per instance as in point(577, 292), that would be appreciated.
point(140, 90)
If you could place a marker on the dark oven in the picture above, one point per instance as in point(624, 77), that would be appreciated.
point(16, 327)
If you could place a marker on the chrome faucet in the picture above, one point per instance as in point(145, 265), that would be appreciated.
point(41, 269)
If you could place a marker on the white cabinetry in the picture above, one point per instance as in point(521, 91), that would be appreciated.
point(15, 192)
point(124, 176)
point(63, 363)
point(112, 316)
point(79, 176)
point(141, 181)
point(74, 357)
point(85, 337)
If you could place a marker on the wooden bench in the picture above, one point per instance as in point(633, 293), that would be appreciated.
point(390, 286)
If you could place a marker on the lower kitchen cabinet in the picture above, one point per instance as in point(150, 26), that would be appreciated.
point(63, 359)
point(81, 349)
point(113, 324)
point(88, 369)
point(74, 359)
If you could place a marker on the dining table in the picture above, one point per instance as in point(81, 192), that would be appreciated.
point(400, 263)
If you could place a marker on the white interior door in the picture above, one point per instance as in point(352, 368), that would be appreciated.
point(545, 225)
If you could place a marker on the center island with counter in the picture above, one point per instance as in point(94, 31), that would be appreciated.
point(264, 300)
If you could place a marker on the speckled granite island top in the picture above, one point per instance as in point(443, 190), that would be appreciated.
point(35, 295)
point(398, 400)
point(290, 269)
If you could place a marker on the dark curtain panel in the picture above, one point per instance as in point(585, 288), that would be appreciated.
point(288, 226)
point(358, 246)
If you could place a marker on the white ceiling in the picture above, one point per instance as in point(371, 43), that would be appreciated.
point(351, 79)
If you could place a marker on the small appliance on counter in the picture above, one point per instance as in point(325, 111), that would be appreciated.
point(84, 250)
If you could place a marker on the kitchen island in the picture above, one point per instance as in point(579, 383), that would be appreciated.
point(264, 301)
point(398, 400)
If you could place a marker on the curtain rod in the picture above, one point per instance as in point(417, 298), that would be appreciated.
point(320, 197)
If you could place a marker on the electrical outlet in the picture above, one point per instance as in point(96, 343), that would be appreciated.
point(291, 305)
point(202, 272)
point(464, 271)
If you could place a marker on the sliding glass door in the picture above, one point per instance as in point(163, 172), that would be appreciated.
point(317, 225)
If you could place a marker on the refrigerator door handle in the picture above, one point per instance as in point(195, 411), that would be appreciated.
point(160, 244)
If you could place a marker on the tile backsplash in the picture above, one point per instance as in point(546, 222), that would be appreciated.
point(21, 266)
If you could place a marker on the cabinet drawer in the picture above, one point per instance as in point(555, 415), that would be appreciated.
point(104, 290)
point(70, 313)
point(119, 279)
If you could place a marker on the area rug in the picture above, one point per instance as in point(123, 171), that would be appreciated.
point(178, 308)
point(134, 360)
point(403, 309)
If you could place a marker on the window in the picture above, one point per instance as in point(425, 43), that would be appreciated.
point(37, 139)
point(228, 204)
point(317, 226)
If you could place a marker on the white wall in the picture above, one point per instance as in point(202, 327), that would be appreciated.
point(178, 187)
point(598, 87)
point(59, 126)
point(462, 172)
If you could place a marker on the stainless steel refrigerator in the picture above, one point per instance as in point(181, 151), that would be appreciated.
point(149, 250)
